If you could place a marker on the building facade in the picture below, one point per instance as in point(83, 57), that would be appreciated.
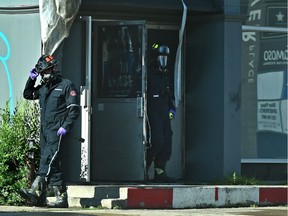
point(229, 65)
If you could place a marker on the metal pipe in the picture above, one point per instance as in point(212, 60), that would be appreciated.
point(264, 29)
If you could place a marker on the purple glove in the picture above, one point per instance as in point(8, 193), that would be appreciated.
point(62, 131)
point(33, 74)
point(172, 113)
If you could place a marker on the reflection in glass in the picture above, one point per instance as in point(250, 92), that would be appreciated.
point(264, 82)
point(120, 61)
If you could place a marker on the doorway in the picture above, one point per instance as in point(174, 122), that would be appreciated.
point(169, 35)
point(118, 132)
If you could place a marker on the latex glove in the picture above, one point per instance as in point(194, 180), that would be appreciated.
point(172, 113)
point(62, 131)
point(33, 74)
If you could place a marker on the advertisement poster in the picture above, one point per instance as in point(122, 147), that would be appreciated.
point(264, 82)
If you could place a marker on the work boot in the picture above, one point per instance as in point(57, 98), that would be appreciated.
point(61, 198)
point(36, 195)
point(160, 175)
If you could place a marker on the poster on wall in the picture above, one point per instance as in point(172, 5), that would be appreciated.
point(271, 95)
point(264, 82)
point(272, 72)
point(269, 116)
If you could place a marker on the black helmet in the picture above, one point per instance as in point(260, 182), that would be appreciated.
point(45, 62)
point(160, 49)
point(160, 52)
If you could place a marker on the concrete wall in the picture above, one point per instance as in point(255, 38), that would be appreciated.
point(212, 98)
point(212, 77)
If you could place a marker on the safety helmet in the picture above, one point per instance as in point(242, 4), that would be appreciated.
point(160, 49)
point(44, 63)
point(161, 52)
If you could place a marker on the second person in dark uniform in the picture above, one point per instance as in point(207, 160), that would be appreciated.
point(161, 109)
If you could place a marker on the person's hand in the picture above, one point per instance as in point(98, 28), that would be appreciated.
point(172, 113)
point(33, 74)
point(62, 131)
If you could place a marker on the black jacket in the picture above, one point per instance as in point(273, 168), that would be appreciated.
point(160, 92)
point(59, 102)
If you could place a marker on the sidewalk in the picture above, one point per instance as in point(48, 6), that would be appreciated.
point(175, 196)
point(34, 211)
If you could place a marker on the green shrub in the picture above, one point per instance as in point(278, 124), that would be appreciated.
point(15, 164)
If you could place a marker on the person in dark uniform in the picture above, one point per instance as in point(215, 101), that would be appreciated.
point(161, 109)
point(59, 105)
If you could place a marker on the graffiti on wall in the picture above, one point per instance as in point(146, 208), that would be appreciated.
point(3, 59)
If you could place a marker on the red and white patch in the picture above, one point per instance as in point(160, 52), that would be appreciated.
point(73, 93)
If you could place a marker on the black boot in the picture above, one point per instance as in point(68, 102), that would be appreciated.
point(160, 175)
point(61, 198)
point(36, 195)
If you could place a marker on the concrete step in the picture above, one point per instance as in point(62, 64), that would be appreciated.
point(89, 195)
point(114, 203)
point(120, 202)
point(174, 196)
point(193, 196)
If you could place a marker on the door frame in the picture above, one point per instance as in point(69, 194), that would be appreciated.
point(140, 101)
point(86, 98)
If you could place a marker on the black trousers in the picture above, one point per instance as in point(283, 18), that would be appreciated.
point(50, 161)
point(161, 135)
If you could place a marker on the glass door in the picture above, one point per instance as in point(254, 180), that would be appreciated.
point(118, 101)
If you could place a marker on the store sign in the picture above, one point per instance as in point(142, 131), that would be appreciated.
point(264, 79)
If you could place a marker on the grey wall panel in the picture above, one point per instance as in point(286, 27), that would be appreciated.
point(232, 97)
point(72, 63)
point(212, 99)
point(204, 100)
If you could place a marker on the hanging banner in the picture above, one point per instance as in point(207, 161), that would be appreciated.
point(56, 17)
point(178, 60)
